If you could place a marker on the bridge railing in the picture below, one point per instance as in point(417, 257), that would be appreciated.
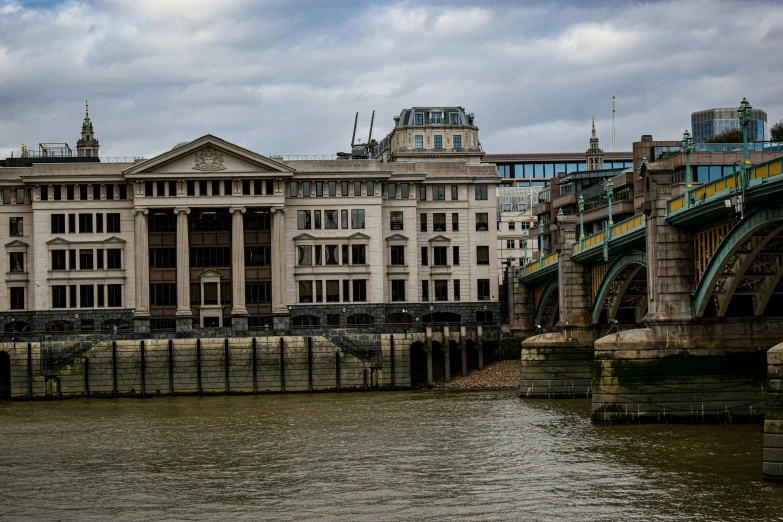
point(618, 229)
point(539, 264)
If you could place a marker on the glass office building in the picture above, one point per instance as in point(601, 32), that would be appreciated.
point(706, 124)
point(524, 170)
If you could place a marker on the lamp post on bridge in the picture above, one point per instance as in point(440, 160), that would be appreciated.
point(687, 147)
point(581, 220)
point(744, 117)
point(609, 194)
point(540, 238)
point(525, 235)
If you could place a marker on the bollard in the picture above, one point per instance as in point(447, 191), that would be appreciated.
point(30, 371)
point(59, 389)
point(255, 366)
point(198, 366)
point(337, 368)
point(365, 379)
point(393, 378)
point(310, 364)
point(227, 364)
point(142, 363)
point(282, 366)
point(114, 368)
point(86, 377)
point(171, 367)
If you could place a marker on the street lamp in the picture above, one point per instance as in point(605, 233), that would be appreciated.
point(609, 193)
point(581, 218)
point(525, 235)
point(687, 148)
point(744, 116)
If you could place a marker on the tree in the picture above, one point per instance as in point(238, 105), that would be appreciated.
point(776, 131)
point(727, 136)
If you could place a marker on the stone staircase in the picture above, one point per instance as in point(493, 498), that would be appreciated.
point(57, 354)
point(366, 347)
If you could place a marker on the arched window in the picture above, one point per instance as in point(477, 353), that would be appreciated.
point(359, 320)
point(306, 320)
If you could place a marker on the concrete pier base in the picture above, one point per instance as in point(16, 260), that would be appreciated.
point(772, 467)
point(554, 366)
point(644, 377)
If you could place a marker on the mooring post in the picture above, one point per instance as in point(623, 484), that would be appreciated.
point(228, 363)
point(198, 366)
point(30, 371)
point(310, 364)
point(393, 378)
point(171, 367)
point(446, 353)
point(428, 334)
point(282, 366)
point(86, 377)
point(59, 389)
point(464, 349)
point(255, 366)
point(337, 368)
point(142, 364)
point(114, 368)
point(480, 346)
point(365, 379)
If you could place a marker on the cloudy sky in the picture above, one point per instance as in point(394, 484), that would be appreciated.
point(286, 77)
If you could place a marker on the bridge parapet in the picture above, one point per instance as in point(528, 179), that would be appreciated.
point(615, 239)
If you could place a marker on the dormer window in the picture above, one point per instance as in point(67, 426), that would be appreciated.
point(418, 119)
point(436, 117)
point(453, 118)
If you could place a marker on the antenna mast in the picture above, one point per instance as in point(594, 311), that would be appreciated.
point(613, 111)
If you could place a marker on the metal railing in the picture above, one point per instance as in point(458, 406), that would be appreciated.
point(632, 223)
point(303, 157)
point(121, 159)
point(539, 264)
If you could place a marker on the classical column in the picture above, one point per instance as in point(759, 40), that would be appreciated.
point(142, 262)
point(278, 261)
point(238, 260)
point(183, 262)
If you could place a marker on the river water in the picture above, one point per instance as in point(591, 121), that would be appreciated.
point(370, 456)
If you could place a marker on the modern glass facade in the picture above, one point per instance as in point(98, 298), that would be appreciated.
point(535, 173)
point(709, 123)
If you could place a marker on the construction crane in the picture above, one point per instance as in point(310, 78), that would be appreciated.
point(360, 150)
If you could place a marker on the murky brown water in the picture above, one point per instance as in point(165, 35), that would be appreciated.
point(369, 456)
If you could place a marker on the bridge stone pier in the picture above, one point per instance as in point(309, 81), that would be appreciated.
point(557, 364)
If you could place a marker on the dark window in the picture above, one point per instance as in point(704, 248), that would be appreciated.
point(425, 291)
point(357, 218)
point(163, 294)
point(391, 190)
point(86, 259)
point(210, 221)
point(395, 220)
point(344, 218)
point(202, 187)
point(114, 258)
point(215, 187)
point(439, 222)
point(172, 188)
point(303, 219)
point(370, 188)
point(86, 296)
point(398, 255)
point(317, 219)
point(58, 192)
point(16, 229)
point(332, 188)
point(58, 223)
point(270, 187)
point(17, 298)
point(226, 295)
point(245, 187)
point(319, 188)
point(441, 289)
point(163, 222)
point(333, 292)
point(306, 189)
point(109, 191)
point(422, 193)
point(228, 187)
point(99, 222)
point(440, 256)
point(482, 255)
point(318, 252)
point(332, 253)
point(357, 188)
point(454, 193)
point(439, 192)
point(85, 223)
point(346, 290)
point(481, 192)
point(257, 220)
point(210, 257)
point(44, 192)
point(149, 187)
point(71, 223)
point(345, 254)
point(483, 289)
point(359, 290)
point(258, 187)
point(482, 222)
point(424, 257)
point(69, 193)
point(161, 188)
point(304, 255)
point(398, 289)
point(72, 296)
point(331, 219)
point(195, 294)
point(456, 289)
point(99, 259)
point(16, 261)
point(258, 292)
point(115, 295)
point(83, 192)
point(358, 255)
point(59, 299)
point(343, 188)
point(455, 255)
point(124, 191)
point(58, 260)
point(96, 192)
point(257, 256)
point(305, 291)
point(455, 222)
point(404, 191)
point(423, 222)
point(113, 223)
point(163, 257)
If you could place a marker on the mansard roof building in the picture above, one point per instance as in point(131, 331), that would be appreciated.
point(210, 235)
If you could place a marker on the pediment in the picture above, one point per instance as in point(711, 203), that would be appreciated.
point(114, 239)
point(304, 236)
point(358, 235)
point(397, 237)
point(209, 274)
point(58, 241)
point(439, 238)
point(16, 244)
point(208, 156)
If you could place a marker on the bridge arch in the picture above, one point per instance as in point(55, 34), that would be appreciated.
point(548, 306)
point(624, 285)
point(748, 263)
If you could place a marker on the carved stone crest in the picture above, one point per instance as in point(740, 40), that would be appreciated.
point(209, 160)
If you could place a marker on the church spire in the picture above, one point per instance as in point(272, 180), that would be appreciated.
point(87, 146)
point(594, 155)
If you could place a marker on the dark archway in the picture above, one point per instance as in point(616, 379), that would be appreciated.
point(109, 324)
point(306, 320)
point(438, 362)
point(455, 354)
point(442, 318)
point(17, 326)
point(359, 320)
point(472, 354)
point(5, 376)
point(418, 364)
point(59, 326)
point(399, 319)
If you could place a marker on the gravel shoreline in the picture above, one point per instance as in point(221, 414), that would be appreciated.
point(502, 375)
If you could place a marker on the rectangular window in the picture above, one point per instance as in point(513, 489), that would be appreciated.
point(483, 289)
point(370, 188)
point(346, 290)
point(216, 187)
point(305, 255)
point(439, 222)
point(418, 119)
point(258, 292)
point(404, 190)
point(17, 298)
point(422, 193)
point(331, 219)
point(115, 295)
point(86, 260)
point(358, 255)
point(44, 192)
point(58, 193)
point(303, 219)
point(319, 292)
point(440, 256)
point(481, 192)
point(72, 260)
point(439, 192)
point(173, 189)
point(113, 223)
point(452, 118)
point(357, 188)
point(391, 190)
point(423, 221)
point(510, 243)
point(424, 258)
point(456, 289)
point(191, 187)
point(86, 296)
point(344, 188)
point(109, 191)
point(306, 189)
point(438, 142)
point(58, 260)
point(344, 218)
point(319, 188)
point(318, 250)
point(96, 192)
point(441, 289)
point(425, 291)
point(359, 290)
point(101, 299)
point(245, 187)
point(357, 218)
point(69, 193)
point(58, 223)
point(317, 219)
point(455, 255)
point(454, 192)
point(332, 253)
point(455, 222)
point(228, 187)
point(482, 222)
point(226, 295)
point(270, 187)
point(85, 223)
point(160, 187)
point(165, 294)
point(72, 289)
point(511, 225)
point(293, 189)
point(482, 255)
point(16, 261)
point(15, 224)
point(99, 222)
point(59, 296)
point(418, 142)
point(255, 256)
point(332, 188)
point(398, 255)
point(398, 289)
point(436, 117)
point(99, 259)
point(395, 220)
point(332, 291)
point(164, 257)
point(71, 223)
point(210, 293)
point(83, 191)
point(114, 259)
point(345, 254)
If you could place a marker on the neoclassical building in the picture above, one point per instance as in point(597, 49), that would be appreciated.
point(210, 235)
